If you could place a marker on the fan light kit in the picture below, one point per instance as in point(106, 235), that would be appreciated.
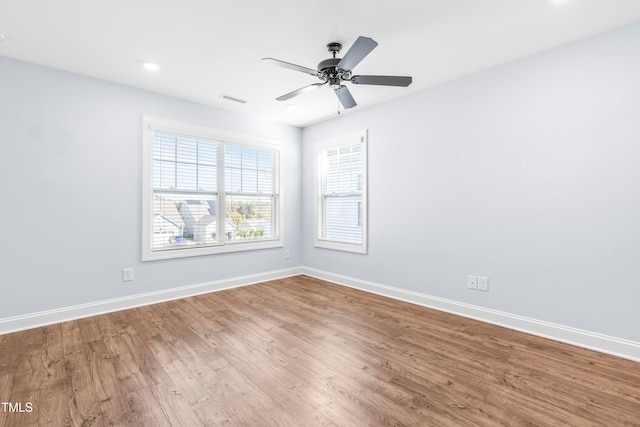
point(334, 71)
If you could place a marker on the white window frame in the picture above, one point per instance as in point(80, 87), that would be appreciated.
point(151, 124)
point(359, 137)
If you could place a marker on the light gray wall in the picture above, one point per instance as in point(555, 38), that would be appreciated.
point(70, 171)
point(527, 173)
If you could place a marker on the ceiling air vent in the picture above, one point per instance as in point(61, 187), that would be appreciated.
point(233, 98)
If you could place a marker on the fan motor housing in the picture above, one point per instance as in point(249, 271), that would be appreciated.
point(328, 64)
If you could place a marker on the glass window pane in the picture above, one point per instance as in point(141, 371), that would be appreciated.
point(207, 152)
point(164, 174)
point(233, 179)
point(183, 220)
point(252, 217)
point(342, 222)
point(249, 158)
point(265, 182)
point(207, 178)
point(341, 184)
point(186, 177)
point(265, 160)
point(186, 149)
point(250, 181)
point(233, 156)
point(164, 146)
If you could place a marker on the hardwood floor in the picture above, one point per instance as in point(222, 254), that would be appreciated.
point(303, 352)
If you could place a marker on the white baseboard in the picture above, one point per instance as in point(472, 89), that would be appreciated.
point(591, 340)
point(44, 318)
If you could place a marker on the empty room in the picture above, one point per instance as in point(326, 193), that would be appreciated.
point(281, 213)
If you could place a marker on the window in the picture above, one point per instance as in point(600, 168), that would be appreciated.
point(207, 191)
point(341, 193)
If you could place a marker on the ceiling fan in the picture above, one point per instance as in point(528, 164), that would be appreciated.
point(334, 71)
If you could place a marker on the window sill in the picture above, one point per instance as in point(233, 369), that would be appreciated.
point(338, 246)
point(210, 250)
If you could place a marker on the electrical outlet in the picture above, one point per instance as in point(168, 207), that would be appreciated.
point(472, 282)
point(287, 254)
point(127, 275)
point(483, 284)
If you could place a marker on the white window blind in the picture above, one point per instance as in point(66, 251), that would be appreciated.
point(185, 191)
point(341, 193)
point(208, 191)
point(251, 183)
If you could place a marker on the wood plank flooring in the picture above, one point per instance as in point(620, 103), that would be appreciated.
point(304, 352)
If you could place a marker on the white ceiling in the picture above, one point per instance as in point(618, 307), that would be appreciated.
point(206, 48)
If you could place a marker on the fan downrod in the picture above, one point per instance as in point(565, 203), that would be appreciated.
point(334, 48)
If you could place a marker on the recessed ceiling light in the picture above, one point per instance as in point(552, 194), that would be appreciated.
point(152, 66)
point(3, 37)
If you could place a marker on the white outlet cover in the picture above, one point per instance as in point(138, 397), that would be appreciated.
point(472, 282)
point(483, 283)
